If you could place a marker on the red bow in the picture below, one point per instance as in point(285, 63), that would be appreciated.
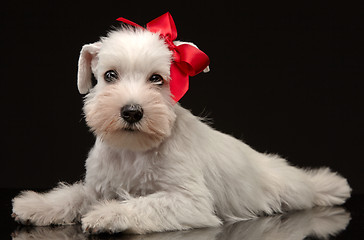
point(187, 60)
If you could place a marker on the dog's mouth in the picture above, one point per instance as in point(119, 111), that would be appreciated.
point(130, 128)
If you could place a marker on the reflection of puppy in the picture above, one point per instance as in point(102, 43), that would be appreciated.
point(318, 222)
point(155, 166)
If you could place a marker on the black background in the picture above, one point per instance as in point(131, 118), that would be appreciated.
point(286, 79)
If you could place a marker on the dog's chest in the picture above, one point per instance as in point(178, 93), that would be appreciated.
point(116, 173)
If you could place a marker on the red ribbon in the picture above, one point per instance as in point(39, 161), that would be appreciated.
point(187, 60)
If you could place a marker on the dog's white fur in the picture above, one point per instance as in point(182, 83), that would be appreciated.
point(173, 172)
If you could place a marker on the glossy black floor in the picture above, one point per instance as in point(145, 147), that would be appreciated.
point(345, 222)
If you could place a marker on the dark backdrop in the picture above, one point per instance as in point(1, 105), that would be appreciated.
point(286, 79)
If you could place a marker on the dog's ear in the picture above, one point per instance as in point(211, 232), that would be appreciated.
point(177, 43)
point(86, 64)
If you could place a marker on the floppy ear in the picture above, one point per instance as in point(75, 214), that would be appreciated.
point(177, 43)
point(86, 63)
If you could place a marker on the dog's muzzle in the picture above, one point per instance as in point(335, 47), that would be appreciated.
point(132, 113)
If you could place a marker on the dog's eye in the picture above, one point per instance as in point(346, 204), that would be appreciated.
point(110, 76)
point(156, 79)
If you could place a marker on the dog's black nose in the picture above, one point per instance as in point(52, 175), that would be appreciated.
point(132, 113)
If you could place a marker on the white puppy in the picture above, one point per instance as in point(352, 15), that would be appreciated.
point(156, 167)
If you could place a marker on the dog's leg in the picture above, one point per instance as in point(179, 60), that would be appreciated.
point(303, 189)
point(291, 188)
point(154, 213)
point(62, 205)
point(330, 188)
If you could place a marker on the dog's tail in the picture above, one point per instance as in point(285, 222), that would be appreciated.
point(330, 188)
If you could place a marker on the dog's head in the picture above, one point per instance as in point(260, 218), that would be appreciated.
point(130, 106)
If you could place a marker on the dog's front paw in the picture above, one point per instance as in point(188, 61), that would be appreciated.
point(31, 208)
point(27, 209)
point(106, 217)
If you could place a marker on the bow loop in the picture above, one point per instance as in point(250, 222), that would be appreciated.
point(193, 58)
point(187, 59)
point(164, 25)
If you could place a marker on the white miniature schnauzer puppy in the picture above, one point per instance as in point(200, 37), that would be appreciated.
point(156, 167)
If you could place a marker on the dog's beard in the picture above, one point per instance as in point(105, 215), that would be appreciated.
point(102, 111)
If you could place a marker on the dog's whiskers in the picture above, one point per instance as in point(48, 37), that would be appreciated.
point(111, 124)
